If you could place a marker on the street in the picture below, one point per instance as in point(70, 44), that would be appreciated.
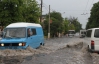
point(49, 32)
point(63, 50)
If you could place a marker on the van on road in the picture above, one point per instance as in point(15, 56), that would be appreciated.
point(92, 39)
point(22, 35)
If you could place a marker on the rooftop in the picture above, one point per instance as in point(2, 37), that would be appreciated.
point(23, 24)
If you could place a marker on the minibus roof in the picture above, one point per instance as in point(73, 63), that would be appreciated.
point(22, 24)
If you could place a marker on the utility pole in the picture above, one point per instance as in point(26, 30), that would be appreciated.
point(49, 24)
point(41, 12)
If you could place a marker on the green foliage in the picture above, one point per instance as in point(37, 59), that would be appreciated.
point(65, 26)
point(10, 11)
point(31, 11)
point(55, 26)
point(59, 25)
point(18, 11)
point(71, 27)
point(57, 16)
point(74, 24)
point(93, 21)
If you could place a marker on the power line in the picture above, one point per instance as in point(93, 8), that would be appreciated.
point(86, 5)
point(85, 8)
point(91, 3)
point(48, 7)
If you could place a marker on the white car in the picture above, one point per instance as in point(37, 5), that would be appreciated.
point(92, 39)
point(82, 33)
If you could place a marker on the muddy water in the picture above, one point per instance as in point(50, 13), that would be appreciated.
point(66, 55)
point(55, 51)
point(11, 59)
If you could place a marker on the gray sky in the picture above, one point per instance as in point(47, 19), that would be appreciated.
point(73, 8)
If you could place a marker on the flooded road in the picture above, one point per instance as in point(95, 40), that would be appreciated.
point(66, 55)
point(56, 51)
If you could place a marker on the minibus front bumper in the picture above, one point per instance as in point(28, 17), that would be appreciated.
point(12, 46)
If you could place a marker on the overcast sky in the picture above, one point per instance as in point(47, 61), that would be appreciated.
point(75, 8)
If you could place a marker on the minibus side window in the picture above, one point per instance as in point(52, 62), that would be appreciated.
point(33, 31)
point(88, 34)
point(28, 32)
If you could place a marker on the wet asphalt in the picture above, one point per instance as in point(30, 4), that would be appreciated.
point(62, 56)
point(71, 55)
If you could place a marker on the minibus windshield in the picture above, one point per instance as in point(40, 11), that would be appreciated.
point(15, 33)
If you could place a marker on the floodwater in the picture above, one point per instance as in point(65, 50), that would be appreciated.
point(56, 51)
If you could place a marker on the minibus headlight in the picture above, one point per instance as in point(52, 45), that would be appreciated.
point(21, 44)
point(2, 44)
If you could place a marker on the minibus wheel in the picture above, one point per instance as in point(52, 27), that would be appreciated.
point(41, 44)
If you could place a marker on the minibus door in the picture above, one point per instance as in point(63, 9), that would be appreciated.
point(30, 39)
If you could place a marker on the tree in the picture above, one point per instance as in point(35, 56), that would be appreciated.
point(31, 11)
point(71, 27)
point(74, 24)
point(59, 25)
point(18, 11)
point(56, 23)
point(65, 26)
point(10, 11)
point(93, 20)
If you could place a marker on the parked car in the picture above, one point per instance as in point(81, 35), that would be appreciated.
point(92, 39)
